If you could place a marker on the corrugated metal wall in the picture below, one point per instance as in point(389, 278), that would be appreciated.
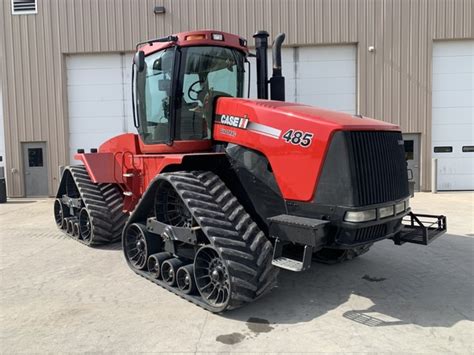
point(394, 80)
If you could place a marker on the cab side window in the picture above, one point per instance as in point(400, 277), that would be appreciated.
point(154, 96)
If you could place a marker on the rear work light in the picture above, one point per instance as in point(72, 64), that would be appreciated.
point(217, 36)
point(360, 216)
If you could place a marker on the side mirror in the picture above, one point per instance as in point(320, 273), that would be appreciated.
point(139, 60)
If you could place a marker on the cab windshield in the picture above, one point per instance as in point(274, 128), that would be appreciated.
point(204, 73)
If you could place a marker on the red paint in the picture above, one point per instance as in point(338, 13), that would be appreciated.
point(126, 161)
point(296, 168)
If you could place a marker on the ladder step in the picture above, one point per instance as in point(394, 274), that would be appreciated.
point(288, 264)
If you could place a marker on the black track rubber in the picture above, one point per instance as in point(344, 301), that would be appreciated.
point(245, 249)
point(103, 202)
point(335, 256)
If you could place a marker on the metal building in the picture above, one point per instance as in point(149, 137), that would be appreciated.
point(65, 64)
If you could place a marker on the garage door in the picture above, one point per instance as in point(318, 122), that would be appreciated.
point(453, 114)
point(99, 99)
point(323, 76)
point(326, 77)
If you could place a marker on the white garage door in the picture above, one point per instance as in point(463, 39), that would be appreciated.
point(323, 76)
point(99, 99)
point(453, 114)
point(326, 77)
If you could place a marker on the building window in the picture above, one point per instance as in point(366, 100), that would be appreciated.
point(24, 7)
point(409, 150)
point(35, 157)
point(443, 149)
point(468, 149)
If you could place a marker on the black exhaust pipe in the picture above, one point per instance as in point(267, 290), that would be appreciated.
point(261, 45)
point(277, 81)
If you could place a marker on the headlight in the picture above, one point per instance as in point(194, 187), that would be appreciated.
point(360, 216)
point(400, 207)
point(385, 211)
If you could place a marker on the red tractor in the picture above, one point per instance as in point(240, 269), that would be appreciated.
point(216, 191)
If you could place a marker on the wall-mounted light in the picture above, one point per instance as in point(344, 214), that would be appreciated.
point(371, 49)
point(159, 10)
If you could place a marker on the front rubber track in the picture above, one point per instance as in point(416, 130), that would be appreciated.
point(104, 203)
point(245, 249)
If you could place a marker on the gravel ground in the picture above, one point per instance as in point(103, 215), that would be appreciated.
point(60, 296)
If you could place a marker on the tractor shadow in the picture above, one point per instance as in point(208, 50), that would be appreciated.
point(427, 286)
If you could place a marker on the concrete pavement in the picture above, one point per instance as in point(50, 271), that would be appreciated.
point(60, 296)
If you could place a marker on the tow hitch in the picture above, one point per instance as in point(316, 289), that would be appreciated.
point(420, 229)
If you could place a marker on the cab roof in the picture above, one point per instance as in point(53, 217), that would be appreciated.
point(196, 38)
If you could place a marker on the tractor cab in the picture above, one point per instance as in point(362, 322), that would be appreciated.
point(176, 81)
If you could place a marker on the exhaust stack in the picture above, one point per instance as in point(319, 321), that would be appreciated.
point(277, 81)
point(261, 45)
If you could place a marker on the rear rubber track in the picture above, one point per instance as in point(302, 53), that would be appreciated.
point(104, 203)
point(244, 248)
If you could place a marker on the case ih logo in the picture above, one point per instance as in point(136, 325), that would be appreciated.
point(234, 121)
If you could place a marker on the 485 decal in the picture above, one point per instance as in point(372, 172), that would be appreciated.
point(295, 137)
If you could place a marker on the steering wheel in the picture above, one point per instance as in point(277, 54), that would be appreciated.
point(192, 90)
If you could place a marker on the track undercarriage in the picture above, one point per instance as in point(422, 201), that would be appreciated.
point(190, 235)
point(90, 213)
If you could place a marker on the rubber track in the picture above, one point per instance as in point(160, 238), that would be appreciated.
point(245, 249)
point(104, 202)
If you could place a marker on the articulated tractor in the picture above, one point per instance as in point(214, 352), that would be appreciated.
point(216, 192)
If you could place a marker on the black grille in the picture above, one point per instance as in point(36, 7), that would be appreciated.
point(370, 233)
point(378, 167)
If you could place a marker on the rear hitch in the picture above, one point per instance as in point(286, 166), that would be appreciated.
point(420, 229)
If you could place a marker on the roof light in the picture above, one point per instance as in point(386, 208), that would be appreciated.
point(194, 37)
point(360, 216)
point(217, 36)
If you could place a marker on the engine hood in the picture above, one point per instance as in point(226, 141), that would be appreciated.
point(293, 137)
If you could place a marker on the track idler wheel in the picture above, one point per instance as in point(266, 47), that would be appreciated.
point(155, 261)
point(185, 279)
point(138, 245)
point(169, 269)
point(60, 214)
point(212, 277)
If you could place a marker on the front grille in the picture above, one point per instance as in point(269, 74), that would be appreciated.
point(378, 166)
point(370, 233)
